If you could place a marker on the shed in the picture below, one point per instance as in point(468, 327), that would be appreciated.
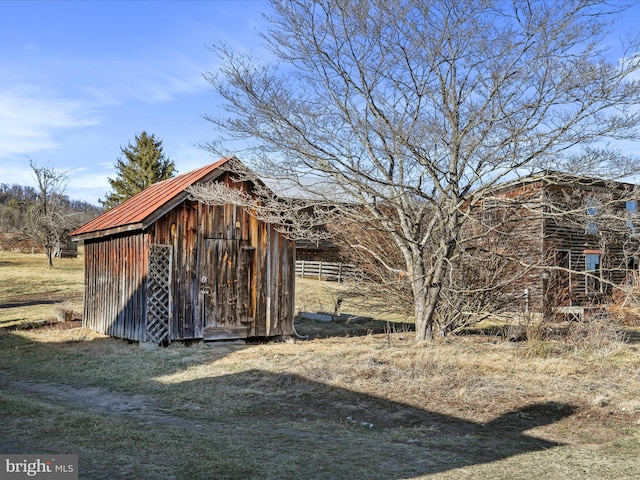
point(162, 267)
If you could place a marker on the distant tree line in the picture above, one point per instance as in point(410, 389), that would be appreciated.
point(16, 201)
point(43, 216)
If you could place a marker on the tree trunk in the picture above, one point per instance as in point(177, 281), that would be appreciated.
point(427, 287)
point(426, 296)
point(424, 322)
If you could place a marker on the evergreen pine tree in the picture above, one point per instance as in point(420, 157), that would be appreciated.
point(144, 164)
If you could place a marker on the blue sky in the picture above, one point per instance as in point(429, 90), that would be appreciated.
point(79, 79)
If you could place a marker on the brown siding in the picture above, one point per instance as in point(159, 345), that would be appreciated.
point(271, 282)
point(569, 233)
point(179, 229)
point(512, 227)
point(115, 275)
point(552, 225)
point(115, 281)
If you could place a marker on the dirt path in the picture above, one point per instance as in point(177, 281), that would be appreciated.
point(98, 400)
point(108, 402)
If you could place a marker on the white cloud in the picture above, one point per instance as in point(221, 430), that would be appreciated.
point(88, 189)
point(159, 83)
point(30, 116)
point(15, 172)
point(113, 81)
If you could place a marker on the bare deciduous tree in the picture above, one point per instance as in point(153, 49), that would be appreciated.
point(413, 110)
point(48, 220)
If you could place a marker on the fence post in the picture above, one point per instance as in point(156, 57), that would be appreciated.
point(320, 270)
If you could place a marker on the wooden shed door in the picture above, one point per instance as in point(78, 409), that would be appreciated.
point(224, 290)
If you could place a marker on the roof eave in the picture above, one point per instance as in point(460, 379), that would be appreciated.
point(132, 227)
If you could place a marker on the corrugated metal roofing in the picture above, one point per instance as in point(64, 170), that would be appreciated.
point(136, 211)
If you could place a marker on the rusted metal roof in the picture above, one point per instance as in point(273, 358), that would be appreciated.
point(145, 207)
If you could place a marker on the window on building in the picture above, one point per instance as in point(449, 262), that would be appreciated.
point(592, 210)
point(632, 212)
point(592, 267)
point(490, 213)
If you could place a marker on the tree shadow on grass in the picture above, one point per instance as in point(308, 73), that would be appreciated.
point(28, 303)
point(263, 424)
point(340, 433)
point(322, 325)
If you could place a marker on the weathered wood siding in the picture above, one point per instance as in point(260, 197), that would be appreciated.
point(115, 283)
point(179, 228)
point(549, 229)
point(116, 267)
point(569, 233)
point(525, 242)
point(266, 257)
point(509, 225)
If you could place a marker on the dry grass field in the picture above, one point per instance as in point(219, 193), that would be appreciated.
point(350, 402)
point(32, 292)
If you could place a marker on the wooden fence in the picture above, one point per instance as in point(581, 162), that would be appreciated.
point(324, 270)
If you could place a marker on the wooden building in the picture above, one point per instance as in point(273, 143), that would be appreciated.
point(162, 267)
point(66, 248)
point(579, 232)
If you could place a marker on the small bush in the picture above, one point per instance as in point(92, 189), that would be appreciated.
point(598, 335)
point(624, 307)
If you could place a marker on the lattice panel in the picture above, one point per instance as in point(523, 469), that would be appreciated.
point(159, 292)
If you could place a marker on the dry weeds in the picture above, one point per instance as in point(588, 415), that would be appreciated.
point(301, 394)
point(348, 403)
